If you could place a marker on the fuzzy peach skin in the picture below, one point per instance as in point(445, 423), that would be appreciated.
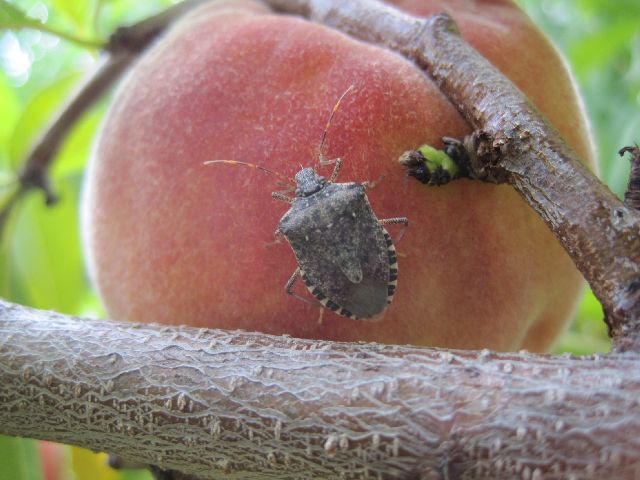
point(171, 240)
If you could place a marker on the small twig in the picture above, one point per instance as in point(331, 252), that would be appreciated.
point(44, 28)
point(517, 145)
point(135, 38)
point(34, 173)
point(123, 47)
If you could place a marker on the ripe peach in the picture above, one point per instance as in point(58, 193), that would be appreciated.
point(171, 240)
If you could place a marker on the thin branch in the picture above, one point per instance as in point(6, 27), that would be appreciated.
point(44, 28)
point(123, 48)
point(208, 402)
point(34, 173)
point(513, 144)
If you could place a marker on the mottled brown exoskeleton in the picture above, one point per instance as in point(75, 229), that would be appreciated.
point(345, 256)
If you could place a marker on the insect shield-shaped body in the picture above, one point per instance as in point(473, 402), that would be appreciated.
point(345, 256)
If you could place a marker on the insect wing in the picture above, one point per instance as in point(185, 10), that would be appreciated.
point(341, 249)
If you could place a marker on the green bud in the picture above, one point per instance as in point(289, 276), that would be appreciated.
point(435, 158)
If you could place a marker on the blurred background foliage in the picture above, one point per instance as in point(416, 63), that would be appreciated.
point(40, 251)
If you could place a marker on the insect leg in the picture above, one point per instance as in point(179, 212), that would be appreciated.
point(277, 241)
point(336, 169)
point(281, 196)
point(289, 289)
point(395, 221)
point(369, 184)
point(289, 285)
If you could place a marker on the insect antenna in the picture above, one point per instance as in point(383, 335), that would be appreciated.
point(326, 128)
point(252, 165)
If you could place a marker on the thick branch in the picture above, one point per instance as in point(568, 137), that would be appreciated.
point(209, 402)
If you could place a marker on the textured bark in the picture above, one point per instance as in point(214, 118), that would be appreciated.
point(632, 195)
point(223, 404)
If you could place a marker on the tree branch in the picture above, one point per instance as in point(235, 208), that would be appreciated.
point(632, 195)
point(35, 170)
point(208, 402)
point(123, 48)
point(513, 144)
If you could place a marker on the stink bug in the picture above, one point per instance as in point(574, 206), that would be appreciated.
point(345, 256)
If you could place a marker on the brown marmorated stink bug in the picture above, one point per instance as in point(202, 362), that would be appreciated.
point(346, 258)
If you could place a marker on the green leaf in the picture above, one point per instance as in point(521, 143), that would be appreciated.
point(114, 13)
point(19, 459)
point(12, 17)
point(609, 10)
point(81, 14)
point(46, 268)
point(599, 48)
point(136, 475)
point(89, 465)
point(37, 114)
point(588, 333)
point(76, 149)
point(10, 106)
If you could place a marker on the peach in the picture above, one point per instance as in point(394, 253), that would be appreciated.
point(169, 239)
